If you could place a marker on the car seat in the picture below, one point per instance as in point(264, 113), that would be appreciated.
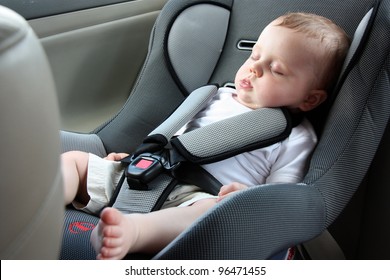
point(194, 43)
point(31, 184)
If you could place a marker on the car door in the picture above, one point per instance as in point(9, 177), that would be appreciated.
point(95, 48)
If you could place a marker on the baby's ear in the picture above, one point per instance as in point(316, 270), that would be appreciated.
point(313, 100)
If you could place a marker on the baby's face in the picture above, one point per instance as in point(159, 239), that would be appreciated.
point(280, 70)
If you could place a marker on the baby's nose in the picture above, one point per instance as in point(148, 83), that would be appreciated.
point(257, 70)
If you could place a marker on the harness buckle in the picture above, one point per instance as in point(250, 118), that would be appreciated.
point(143, 169)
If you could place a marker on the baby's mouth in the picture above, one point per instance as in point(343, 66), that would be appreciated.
point(245, 84)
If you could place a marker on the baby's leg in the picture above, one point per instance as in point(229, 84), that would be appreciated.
point(117, 234)
point(74, 165)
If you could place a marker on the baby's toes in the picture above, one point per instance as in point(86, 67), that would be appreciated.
point(112, 242)
point(110, 253)
point(112, 232)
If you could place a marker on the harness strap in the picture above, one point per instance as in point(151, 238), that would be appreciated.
point(161, 162)
point(235, 135)
point(159, 137)
point(194, 174)
point(132, 200)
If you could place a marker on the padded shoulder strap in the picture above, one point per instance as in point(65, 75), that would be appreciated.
point(234, 135)
point(195, 102)
point(159, 137)
point(220, 140)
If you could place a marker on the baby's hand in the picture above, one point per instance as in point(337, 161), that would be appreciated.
point(116, 156)
point(227, 190)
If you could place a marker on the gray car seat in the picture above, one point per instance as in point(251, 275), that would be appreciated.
point(194, 43)
point(31, 197)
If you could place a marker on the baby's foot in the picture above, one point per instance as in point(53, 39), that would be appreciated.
point(113, 236)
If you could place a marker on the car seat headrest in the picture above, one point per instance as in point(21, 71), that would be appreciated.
point(356, 45)
point(194, 55)
point(358, 41)
point(30, 173)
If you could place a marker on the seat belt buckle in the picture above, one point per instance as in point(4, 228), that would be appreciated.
point(143, 169)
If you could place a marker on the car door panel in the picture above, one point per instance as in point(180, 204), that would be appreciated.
point(95, 56)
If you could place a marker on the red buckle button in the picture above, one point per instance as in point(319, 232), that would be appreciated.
point(144, 163)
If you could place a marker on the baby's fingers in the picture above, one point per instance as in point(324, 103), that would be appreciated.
point(232, 187)
point(116, 156)
point(221, 197)
point(227, 190)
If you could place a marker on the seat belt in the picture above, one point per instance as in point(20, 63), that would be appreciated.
point(161, 162)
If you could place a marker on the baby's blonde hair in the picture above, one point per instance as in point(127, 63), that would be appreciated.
point(334, 40)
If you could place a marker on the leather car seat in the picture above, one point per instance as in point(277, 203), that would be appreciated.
point(31, 197)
